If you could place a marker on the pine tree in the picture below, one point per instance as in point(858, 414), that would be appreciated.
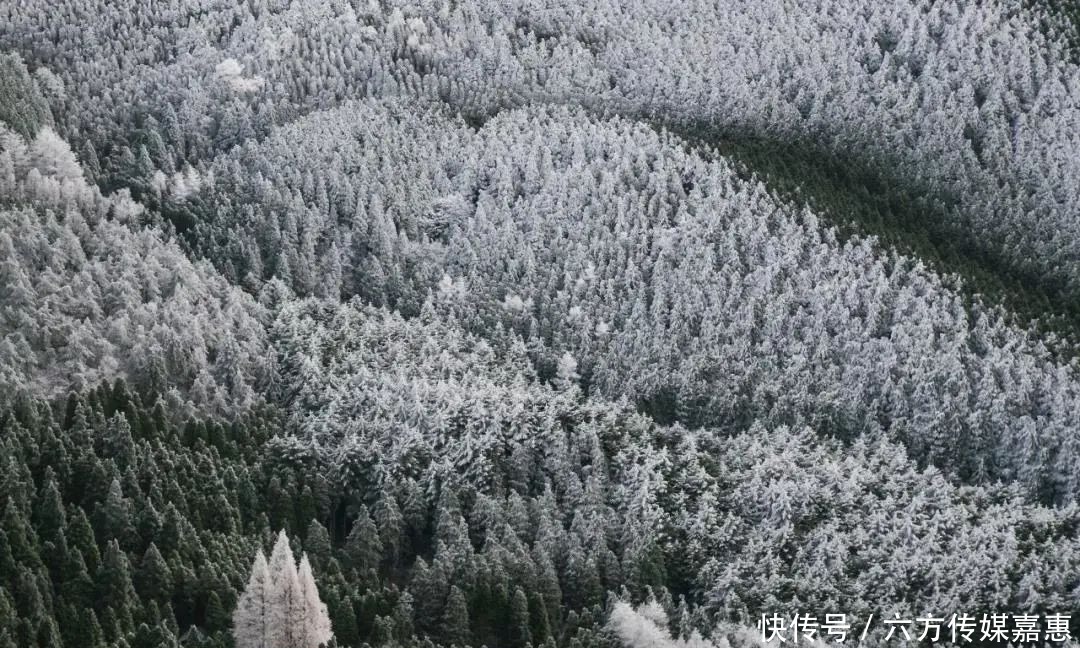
point(520, 633)
point(280, 607)
point(216, 616)
point(20, 537)
point(404, 619)
point(48, 634)
point(454, 626)
point(92, 634)
point(343, 621)
point(285, 608)
point(363, 545)
point(315, 621)
point(22, 104)
point(541, 623)
point(51, 519)
point(80, 536)
point(428, 588)
point(317, 543)
point(153, 636)
point(391, 527)
point(251, 619)
point(88, 158)
point(114, 515)
point(566, 374)
point(8, 563)
point(148, 521)
point(382, 631)
point(8, 614)
point(77, 586)
point(153, 579)
point(116, 593)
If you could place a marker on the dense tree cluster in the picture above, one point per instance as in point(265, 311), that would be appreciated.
point(913, 89)
point(121, 528)
point(466, 300)
point(87, 295)
point(676, 284)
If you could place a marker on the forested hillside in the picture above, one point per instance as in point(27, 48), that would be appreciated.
point(525, 324)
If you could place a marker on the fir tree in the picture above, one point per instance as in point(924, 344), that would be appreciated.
point(251, 619)
point(314, 620)
point(454, 624)
point(520, 632)
point(153, 579)
point(363, 545)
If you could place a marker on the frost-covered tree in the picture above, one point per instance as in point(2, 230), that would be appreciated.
point(252, 615)
point(51, 155)
point(647, 626)
point(23, 105)
point(285, 612)
point(314, 620)
point(366, 252)
point(281, 607)
point(566, 374)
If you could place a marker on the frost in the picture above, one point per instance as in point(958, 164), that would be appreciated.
point(513, 303)
point(230, 71)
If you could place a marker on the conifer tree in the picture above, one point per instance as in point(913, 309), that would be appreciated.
point(454, 624)
point(363, 544)
point(317, 543)
point(403, 614)
point(251, 619)
point(114, 515)
point(280, 607)
point(391, 526)
point(116, 593)
point(153, 579)
point(343, 622)
point(314, 620)
point(216, 616)
point(520, 633)
point(51, 518)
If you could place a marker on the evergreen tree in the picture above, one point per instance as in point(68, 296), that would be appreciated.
point(520, 632)
point(51, 519)
point(21, 541)
point(404, 621)
point(314, 620)
point(454, 624)
point(391, 526)
point(80, 536)
point(116, 593)
point(251, 619)
point(114, 516)
point(363, 545)
point(343, 619)
point(216, 617)
point(22, 104)
point(317, 543)
point(153, 579)
point(285, 609)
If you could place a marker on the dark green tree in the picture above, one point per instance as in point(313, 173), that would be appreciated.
point(50, 517)
point(317, 544)
point(363, 545)
point(454, 624)
point(519, 625)
point(114, 516)
point(153, 579)
point(115, 591)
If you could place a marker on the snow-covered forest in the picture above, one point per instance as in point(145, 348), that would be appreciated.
point(534, 324)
